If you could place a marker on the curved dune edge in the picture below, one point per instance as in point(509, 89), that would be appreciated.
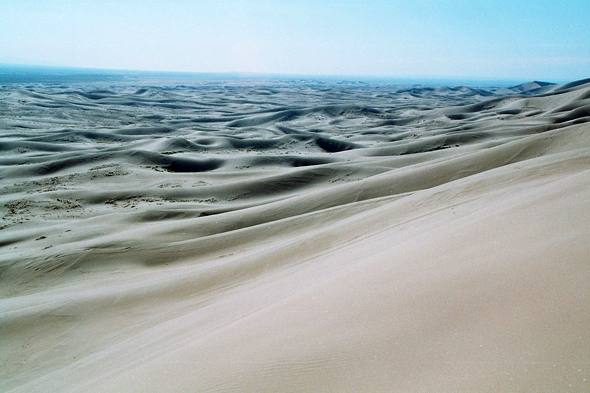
point(350, 246)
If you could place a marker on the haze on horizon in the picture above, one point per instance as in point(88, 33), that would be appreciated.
point(423, 38)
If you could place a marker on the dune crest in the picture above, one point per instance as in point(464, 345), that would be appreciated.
point(294, 236)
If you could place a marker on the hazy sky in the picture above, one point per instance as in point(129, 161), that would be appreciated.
point(539, 39)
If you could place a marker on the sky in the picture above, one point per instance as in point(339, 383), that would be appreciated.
point(497, 39)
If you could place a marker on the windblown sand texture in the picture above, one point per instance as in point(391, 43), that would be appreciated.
point(294, 236)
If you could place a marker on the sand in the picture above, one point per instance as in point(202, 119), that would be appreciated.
point(299, 236)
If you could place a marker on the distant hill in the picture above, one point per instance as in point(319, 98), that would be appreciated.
point(534, 87)
point(537, 87)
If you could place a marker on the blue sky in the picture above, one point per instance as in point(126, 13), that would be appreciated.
point(542, 40)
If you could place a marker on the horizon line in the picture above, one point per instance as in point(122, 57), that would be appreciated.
point(280, 75)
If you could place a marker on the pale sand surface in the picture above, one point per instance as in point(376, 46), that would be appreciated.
point(294, 236)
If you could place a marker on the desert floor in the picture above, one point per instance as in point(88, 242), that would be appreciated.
point(301, 236)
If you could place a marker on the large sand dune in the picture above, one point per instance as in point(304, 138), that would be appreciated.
point(294, 236)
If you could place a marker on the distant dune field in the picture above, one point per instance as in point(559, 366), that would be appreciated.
point(283, 236)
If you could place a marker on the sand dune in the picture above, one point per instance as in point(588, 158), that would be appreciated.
point(294, 236)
